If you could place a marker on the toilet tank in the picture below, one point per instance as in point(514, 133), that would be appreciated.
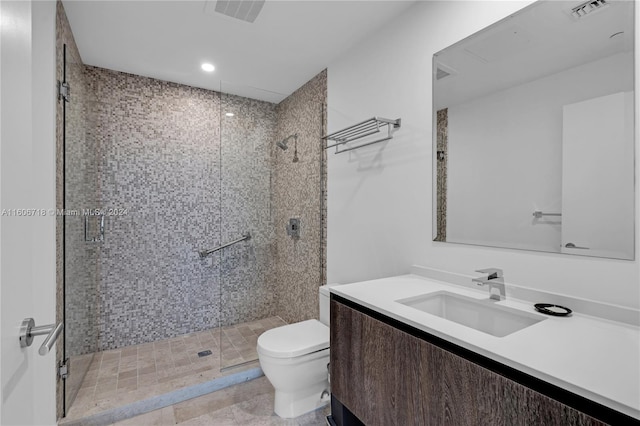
point(324, 303)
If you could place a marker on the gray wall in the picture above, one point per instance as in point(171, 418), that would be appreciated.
point(299, 192)
point(160, 158)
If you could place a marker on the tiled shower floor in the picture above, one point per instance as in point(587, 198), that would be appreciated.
point(122, 376)
point(244, 404)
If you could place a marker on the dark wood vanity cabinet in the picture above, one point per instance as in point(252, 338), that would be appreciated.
point(385, 375)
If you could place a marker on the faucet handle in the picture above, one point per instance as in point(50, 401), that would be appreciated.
point(492, 272)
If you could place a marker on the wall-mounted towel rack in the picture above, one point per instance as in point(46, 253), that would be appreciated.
point(360, 130)
point(538, 214)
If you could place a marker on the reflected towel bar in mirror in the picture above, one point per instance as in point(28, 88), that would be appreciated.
point(538, 214)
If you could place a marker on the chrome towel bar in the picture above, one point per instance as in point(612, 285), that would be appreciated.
point(205, 253)
point(28, 330)
point(360, 130)
point(538, 214)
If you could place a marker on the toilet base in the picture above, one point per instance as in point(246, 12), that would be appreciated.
point(293, 404)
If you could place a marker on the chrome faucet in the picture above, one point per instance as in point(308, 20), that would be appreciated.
point(495, 280)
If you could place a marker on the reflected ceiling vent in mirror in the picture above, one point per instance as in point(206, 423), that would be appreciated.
point(588, 7)
point(440, 74)
point(499, 43)
point(244, 10)
point(443, 71)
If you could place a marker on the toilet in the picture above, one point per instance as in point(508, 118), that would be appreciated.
point(295, 359)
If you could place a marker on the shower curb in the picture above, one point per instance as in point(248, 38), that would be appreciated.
point(124, 412)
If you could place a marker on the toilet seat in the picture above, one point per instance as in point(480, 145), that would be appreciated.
point(294, 340)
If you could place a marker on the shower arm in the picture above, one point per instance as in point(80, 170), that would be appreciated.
point(205, 253)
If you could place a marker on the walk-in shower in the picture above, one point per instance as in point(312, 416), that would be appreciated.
point(193, 260)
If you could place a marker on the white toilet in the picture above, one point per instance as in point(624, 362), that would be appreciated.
point(295, 359)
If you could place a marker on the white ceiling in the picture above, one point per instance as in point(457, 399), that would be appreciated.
point(538, 41)
point(288, 44)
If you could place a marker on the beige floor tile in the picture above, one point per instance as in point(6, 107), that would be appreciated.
point(107, 382)
point(145, 348)
point(208, 375)
point(256, 411)
point(109, 365)
point(250, 390)
point(97, 359)
point(259, 411)
point(223, 417)
point(111, 375)
point(315, 418)
point(89, 382)
point(147, 379)
point(128, 384)
point(127, 374)
point(162, 354)
point(102, 393)
point(181, 361)
point(205, 404)
point(129, 351)
point(150, 391)
point(146, 361)
point(146, 368)
point(128, 363)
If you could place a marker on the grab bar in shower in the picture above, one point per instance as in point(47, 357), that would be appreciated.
point(205, 253)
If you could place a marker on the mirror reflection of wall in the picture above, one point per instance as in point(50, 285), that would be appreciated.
point(534, 141)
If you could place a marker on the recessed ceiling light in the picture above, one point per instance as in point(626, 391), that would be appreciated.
point(207, 67)
point(229, 114)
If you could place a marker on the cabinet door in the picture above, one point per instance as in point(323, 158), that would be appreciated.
point(386, 376)
point(381, 374)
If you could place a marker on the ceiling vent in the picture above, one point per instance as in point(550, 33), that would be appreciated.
point(444, 71)
point(244, 10)
point(440, 74)
point(588, 7)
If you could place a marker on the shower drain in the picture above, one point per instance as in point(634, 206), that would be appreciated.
point(204, 353)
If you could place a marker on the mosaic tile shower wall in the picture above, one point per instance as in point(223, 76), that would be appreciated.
point(158, 145)
point(299, 192)
point(162, 163)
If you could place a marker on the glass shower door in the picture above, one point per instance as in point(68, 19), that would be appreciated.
point(82, 227)
point(248, 269)
point(272, 171)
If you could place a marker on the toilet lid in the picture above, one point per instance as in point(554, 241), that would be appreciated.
point(294, 340)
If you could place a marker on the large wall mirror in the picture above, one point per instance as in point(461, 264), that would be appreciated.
point(534, 132)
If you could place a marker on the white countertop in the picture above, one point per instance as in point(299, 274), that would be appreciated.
point(592, 357)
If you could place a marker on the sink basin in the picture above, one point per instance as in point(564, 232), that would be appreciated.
point(482, 315)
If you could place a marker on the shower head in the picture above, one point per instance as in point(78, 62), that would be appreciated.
point(283, 145)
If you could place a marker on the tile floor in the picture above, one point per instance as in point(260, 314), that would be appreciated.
point(122, 376)
point(245, 404)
